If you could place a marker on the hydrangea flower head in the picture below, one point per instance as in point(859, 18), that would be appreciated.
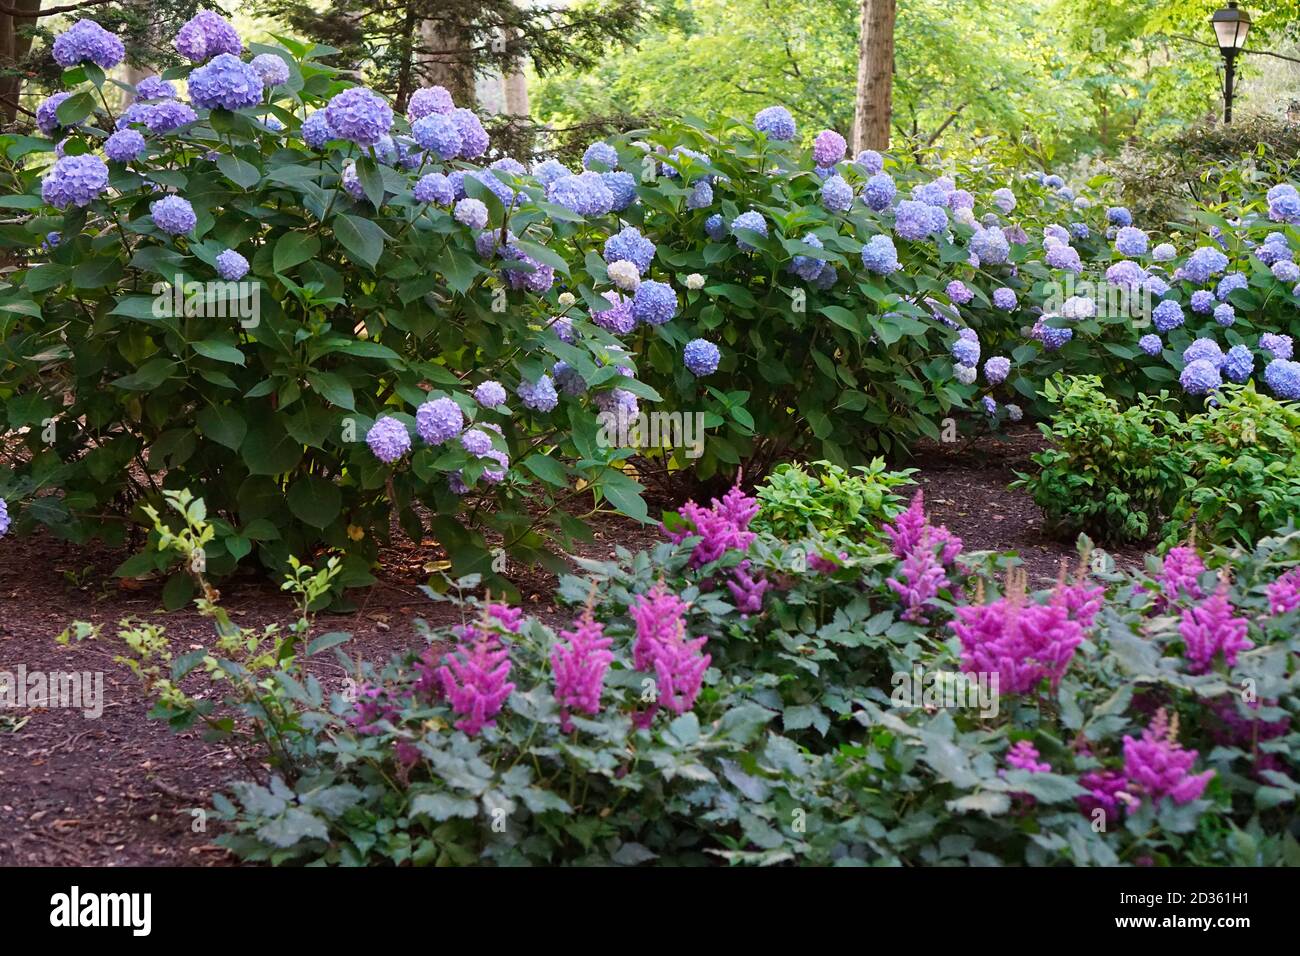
point(1164, 252)
point(870, 161)
point(439, 134)
point(754, 222)
point(434, 188)
point(1283, 203)
point(471, 212)
point(439, 420)
point(1167, 316)
point(805, 267)
point(1004, 199)
point(540, 395)
point(1277, 346)
point(1119, 216)
point(124, 146)
point(1004, 299)
point(87, 42)
point(225, 82)
point(966, 351)
point(1062, 256)
point(622, 186)
point(837, 194)
point(426, 100)
point(1200, 377)
point(47, 114)
point(205, 36)
point(654, 302)
point(828, 148)
point(701, 357)
point(273, 70)
point(990, 245)
point(359, 115)
point(629, 245)
point(231, 266)
point(1283, 379)
point(473, 137)
point(776, 122)
point(879, 191)
point(1202, 264)
point(1206, 349)
point(879, 255)
point(996, 369)
point(388, 439)
point(1130, 241)
point(600, 153)
point(1238, 364)
point(490, 394)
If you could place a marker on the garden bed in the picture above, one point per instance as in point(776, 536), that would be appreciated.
point(119, 790)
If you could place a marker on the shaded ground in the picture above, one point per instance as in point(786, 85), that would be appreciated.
point(120, 790)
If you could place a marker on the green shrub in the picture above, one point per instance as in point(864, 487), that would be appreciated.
point(828, 501)
point(1241, 476)
point(1109, 473)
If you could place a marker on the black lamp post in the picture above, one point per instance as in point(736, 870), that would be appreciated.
point(1230, 26)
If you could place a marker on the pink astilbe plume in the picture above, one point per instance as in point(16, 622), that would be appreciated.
point(1024, 756)
point(1284, 593)
point(1211, 628)
point(579, 667)
point(1107, 792)
point(722, 527)
point(922, 576)
point(747, 590)
point(823, 565)
point(663, 648)
point(1180, 575)
point(372, 705)
point(1157, 766)
point(475, 678)
point(1018, 641)
point(905, 533)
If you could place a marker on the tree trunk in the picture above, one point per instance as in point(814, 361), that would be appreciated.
point(13, 47)
point(874, 104)
point(445, 62)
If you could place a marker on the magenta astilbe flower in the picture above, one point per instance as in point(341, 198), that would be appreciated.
point(721, 527)
point(906, 531)
point(1081, 602)
point(922, 578)
point(680, 666)
point(1024, 756)
point(371, 706)
point(1021, 643)
point(1211, 628)
point(1107, 791)
point(1284, 593)
point(747, 590)
point(475, 679)
point(1157, 766)
point(579, 668)
point(657, 615)
point(662, 647)
point(1182, 569)
point(823, 565)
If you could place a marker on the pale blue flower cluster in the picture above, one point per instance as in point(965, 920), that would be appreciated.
point(879, 255)
point(701, 357)
point(227, 82)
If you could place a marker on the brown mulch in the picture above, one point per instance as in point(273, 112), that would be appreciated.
point(122, 789)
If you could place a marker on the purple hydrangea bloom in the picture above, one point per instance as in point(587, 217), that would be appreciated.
point(124, 146)
point(966, 351)
point(1151, 344)
point(154, 88)
point(173, 215)
point(352, 182)
point(1283, 379)
point(471, 212)
point(618, 318)
point(388, 439)
point(1202, 301)
point(439, 134)
point(47, 115)
point(870, 161)
point(1119, 216)
point(273, 70)
point(225, 82)
point(231, 266)
point(1130, 241)
point(1062, 256)
point(1004, 299)
point(316, 131)
point(1205, 262)
point(915, 221)
point(426, 100)
point(632, 247)
point(439, 420)
point(4, 518)
point(1080, 230)
point(837, 194)
point(1278, 346)
point(701, 196)
point(961, 199)
point(1200, 377)
point(828, 148)
point(879, 255)
point(586, 194)
point(701, 357)
point(776, 122)
point(1204, 349)
point(1167, 315)
point(754, 222)
point(1225, 314)
point(602, 153)
point(1164, 252)
point(490, 394)
point(87, 42)
point(990, 245)
point(879, 191)
point(503, 191)
point(958, 292)
point(654, 303)
point(622, 186)
point(1284, 203)
point(562, 326)
point(538, 278)
point(75, 181)
point(434, 188)
point(1051, 336)
point(1004, 199)
point(549, 170)
point(473, 137)
point(207, 35)
point(996, 369)
point(476, 442)
point(539, 395)
point(167, 116)
point(932, 193)
point(1238, 364)
point(808, 268)
point(568, 379)
point(1229, 284)
point(359, 115)
point(715, 227)
point(1284, 270)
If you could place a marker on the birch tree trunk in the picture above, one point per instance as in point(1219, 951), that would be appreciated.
point(873, 105)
